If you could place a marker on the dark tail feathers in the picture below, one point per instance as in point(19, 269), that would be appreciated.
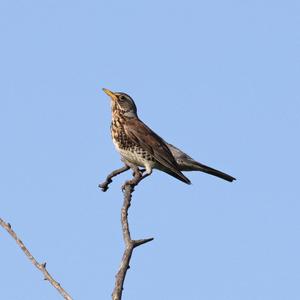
point(211, 171)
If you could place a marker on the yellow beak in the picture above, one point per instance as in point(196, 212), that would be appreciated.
point(110, 94)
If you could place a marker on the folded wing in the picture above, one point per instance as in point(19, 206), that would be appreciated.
point(142, 135)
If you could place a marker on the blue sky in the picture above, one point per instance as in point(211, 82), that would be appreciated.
point(219, 79)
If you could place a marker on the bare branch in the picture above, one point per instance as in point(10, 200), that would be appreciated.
point(108, 180)
point(130, 244)
point(40, 266)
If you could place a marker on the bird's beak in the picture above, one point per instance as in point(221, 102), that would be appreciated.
point(110, 94)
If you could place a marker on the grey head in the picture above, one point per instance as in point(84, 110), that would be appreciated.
point(122, 103)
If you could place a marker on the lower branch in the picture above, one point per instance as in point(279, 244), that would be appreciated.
point(40, 266)
point(130, 244)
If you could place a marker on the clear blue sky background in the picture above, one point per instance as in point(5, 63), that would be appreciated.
point(220, 79)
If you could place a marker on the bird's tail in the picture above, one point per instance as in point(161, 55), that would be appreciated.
point(203, 168)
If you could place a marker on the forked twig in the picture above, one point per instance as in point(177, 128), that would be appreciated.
point(130, 244)
point(40, 266)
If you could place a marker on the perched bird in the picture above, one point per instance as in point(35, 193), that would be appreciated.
point(138, 145)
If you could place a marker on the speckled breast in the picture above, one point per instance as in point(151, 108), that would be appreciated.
point(127, 148)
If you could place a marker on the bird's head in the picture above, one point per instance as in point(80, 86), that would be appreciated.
point(122, 103)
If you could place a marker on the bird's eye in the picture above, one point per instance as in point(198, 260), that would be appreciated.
point(122, 98)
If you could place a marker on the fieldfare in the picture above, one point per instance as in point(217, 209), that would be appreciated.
point(139, 146)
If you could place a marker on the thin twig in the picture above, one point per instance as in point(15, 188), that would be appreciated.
point(130, 244)
point(108, 180)
point(40, 266)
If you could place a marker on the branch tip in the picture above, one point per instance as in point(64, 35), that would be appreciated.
point(137, 243)
point(104, 186)
point(40, 266)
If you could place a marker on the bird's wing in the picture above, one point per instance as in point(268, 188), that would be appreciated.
point(142, 135)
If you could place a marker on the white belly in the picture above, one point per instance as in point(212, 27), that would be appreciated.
point(138, 157)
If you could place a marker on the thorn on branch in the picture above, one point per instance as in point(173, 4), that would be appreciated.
point(137, 243)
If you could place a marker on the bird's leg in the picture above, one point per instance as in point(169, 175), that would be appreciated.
point(137, 172)
point(138, 176)
point(135, 169)
point(108, 180)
